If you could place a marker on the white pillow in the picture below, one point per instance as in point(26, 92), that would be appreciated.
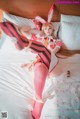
point(70, 35)
point(19, 21)
point(56, 28)
point(7, 43)
point(70, 18)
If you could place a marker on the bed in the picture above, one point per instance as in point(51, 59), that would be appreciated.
point(61, 93)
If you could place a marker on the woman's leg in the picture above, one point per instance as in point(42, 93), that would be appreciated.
point(40, 75)
point(37, 109)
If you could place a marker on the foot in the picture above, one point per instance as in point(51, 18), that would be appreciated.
point(37, 109)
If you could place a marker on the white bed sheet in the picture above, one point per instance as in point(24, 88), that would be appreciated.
point(15, 87)
point(65, 101)
point(17, 90)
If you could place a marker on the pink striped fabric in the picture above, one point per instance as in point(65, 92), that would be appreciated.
point(42, 51)
point(10, 30)
point(36, 46)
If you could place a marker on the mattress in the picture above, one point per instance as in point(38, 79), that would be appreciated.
point(15, 87)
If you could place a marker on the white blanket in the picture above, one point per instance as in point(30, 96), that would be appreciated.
point(62, 94)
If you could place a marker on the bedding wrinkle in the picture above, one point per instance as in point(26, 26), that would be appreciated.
point(17, 83)
point(54, 90)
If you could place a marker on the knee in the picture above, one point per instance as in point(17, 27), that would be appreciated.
point(41, 67)
point(40, 71)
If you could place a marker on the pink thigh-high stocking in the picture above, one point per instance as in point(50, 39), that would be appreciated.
point(40, 75)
